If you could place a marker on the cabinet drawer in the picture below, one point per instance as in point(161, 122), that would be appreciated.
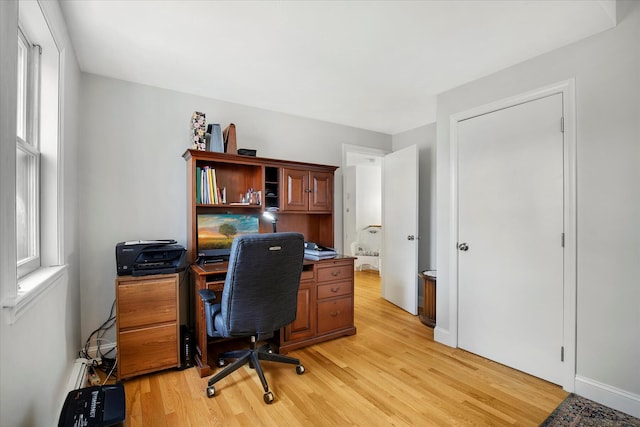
point(146, 302)
point(335, 272)
point(335, 314)
point(306, 275)
point(147, 349)
point(335, 289)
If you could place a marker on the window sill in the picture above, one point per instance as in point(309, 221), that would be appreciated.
point(32, 286)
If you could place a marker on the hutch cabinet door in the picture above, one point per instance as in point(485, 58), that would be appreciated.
point(296, 189)
point(321, 194)
point(305, 324)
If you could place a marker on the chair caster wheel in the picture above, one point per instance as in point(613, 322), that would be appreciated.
point(299, 369)
point(268, 398)
point(211, 391)
point(221, 363)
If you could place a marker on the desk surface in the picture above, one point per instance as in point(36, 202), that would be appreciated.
point(222, 267)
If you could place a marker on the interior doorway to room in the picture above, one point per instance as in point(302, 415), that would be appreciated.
point(362, 206)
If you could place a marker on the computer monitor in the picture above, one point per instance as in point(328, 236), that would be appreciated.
point(217, 231)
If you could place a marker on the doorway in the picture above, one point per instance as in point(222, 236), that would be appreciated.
point(362, 206)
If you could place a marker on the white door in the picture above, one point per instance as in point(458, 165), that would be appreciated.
point(400, 229)
point(510, 234)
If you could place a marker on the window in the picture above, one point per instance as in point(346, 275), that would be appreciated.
point(36, 219)
point(28, 157)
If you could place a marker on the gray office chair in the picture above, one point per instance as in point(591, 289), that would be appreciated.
point(260, 296)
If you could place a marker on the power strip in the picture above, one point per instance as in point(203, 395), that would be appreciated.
point(94, 379)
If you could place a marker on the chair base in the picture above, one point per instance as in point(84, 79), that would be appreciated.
point(252, 356)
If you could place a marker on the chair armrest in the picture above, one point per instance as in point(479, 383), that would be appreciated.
point(207, 295)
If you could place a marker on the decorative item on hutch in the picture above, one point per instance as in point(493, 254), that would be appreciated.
point(230, 143)
point(198, 128)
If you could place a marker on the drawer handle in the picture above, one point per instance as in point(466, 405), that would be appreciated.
point(334, 313)
point(336, 289)
point(335, 273)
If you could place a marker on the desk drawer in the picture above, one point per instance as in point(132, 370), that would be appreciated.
point(335, 272)
point(335, 314)
point(306, 275)
point(335, 289)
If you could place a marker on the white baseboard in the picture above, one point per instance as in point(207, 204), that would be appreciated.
point(604, 394)
point(104, 348)
point(443, 336)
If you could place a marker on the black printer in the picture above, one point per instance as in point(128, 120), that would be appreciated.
point(145, 257)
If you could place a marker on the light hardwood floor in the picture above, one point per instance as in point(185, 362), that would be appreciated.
point(391, 373)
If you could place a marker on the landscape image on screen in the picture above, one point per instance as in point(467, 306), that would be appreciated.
point(217, 231)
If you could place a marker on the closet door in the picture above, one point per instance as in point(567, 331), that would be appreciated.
point(510, 232)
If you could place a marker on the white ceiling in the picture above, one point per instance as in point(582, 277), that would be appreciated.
point(375, 65)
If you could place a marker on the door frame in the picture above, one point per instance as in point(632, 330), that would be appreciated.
point(567, 88)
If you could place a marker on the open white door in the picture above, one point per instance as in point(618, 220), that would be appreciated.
point(400, 225)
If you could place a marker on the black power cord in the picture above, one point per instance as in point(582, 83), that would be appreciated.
point(107, 364)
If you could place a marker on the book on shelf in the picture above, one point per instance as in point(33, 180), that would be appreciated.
point(204, 186)
point(208, 191)
point(214, 186)
point(198, 185)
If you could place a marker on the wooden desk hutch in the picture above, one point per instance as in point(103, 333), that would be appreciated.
point(301, 196)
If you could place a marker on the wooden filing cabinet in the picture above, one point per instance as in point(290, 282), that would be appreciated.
point(147, 323)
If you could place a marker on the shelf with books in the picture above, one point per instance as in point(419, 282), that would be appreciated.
point(223, 183)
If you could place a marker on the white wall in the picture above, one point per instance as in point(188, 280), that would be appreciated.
point(368, 196)
point(37, 350)
point(132, 183)
point(606, 68)
point(425, 138)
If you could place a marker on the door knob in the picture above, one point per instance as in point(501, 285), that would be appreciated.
point(463, 247)
point(411, 237)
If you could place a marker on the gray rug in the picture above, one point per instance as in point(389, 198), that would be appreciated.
point(579, 411)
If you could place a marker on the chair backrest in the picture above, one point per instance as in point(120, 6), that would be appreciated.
point(261, 289)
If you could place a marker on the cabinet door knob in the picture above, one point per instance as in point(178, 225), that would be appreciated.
point(336, 289)
point(334, 313)
point(335, 273)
